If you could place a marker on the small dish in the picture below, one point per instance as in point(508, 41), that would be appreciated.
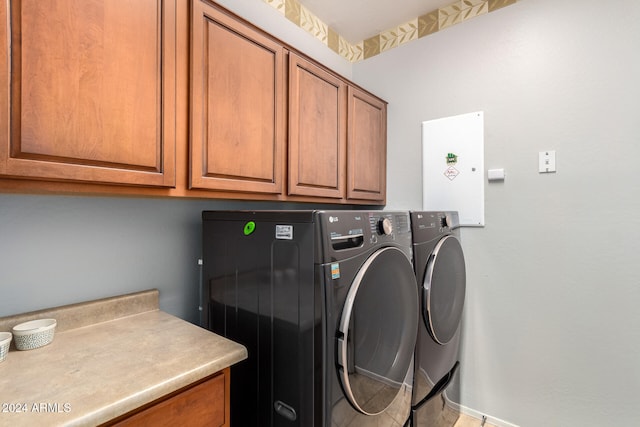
point(34, 334)
point(5, 342)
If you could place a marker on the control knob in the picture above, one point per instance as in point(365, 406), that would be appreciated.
point(385, 227)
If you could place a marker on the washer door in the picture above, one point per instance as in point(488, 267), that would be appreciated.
point(444, 289)
point(377, 332)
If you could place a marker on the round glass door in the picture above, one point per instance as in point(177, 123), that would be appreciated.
point(378, 329)
point(444, 290)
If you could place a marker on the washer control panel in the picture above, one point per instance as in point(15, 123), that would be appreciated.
point(440, 221)
point(428, 225)
point(352, 229)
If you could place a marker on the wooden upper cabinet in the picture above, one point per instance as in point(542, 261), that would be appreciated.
point(237, 105)
point(87, 91)
point(118, 92)
point(317, 131)
point(367, 147)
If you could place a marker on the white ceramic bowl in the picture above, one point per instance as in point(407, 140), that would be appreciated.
point(5, 341)
point(34, 334)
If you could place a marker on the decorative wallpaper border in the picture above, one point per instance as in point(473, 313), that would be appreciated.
point(429, 23)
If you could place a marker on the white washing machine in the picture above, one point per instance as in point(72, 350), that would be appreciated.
point(441, 276)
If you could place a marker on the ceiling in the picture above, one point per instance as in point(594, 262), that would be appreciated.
point(357, 20)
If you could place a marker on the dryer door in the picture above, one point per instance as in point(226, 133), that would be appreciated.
point(444, 288)
point(378, 329)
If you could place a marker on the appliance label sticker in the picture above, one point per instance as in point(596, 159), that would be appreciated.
point(284, 232)
point(335, 271)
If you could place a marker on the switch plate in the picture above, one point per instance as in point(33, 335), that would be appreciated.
point(547, 161)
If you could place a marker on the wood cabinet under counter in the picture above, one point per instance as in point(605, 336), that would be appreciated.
point(203, 404)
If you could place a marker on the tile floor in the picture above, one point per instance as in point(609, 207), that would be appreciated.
point(467, 421)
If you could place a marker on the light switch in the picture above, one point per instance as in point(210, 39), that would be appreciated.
point(547, 161)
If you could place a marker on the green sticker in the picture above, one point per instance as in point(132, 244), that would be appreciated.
point(249, 228)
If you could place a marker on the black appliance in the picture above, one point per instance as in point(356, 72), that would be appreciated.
point(441, 276)
point(325, 302)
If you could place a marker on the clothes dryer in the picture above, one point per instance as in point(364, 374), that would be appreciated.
point(441, 276)
point(326, 303)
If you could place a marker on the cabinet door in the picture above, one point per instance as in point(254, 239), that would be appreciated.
point(87, 90)
point(367, 147)
point(205, 404)
point(237, 105)
point(317, 131)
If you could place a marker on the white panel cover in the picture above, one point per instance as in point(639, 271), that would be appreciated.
point(453, 166)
